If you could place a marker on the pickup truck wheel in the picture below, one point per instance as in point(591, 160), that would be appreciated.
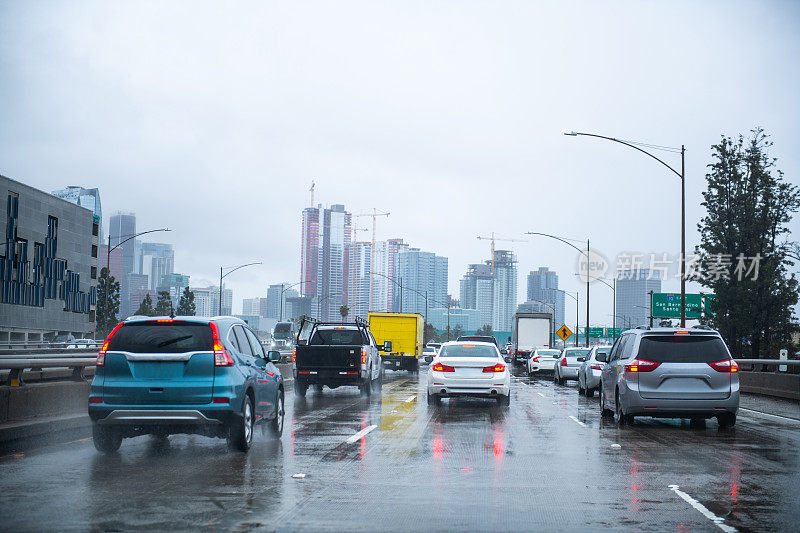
point(379, 380)
point(300, 388)
point(240, 432)
point(318, 388)
point(366, 388)
point(106, 440)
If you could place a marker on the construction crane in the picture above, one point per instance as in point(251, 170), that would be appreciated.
point(375, 214)
point(493, 239)
point(312, 192)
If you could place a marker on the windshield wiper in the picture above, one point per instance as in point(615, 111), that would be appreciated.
point(173, 341)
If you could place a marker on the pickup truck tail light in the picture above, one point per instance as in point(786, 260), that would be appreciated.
point(294, 356)
point(726, 365)
point(101, 355)
point(499, 367)
point(439, 367)
point(364, 356)
point(221, 355)
point(640, 365)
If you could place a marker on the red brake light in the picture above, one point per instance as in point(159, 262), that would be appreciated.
point(294, 356)
point(499, 367)
point(96, 399)
point(221, 355)
point(726, 365)
point(101, 355)
point(564, 362)
point(363, 356)
point(640, 365)
point(439, 367)
point(219, 399)
point(536, 359)
point(597, 367)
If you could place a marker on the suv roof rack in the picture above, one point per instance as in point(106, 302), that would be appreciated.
point(642, 327)
point(702, 326)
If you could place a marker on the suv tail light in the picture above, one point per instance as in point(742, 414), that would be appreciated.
point(101, 355)
point(640, 365)
point(726, 365)
point(439, 367)
point(221, 355)
point(499, 367)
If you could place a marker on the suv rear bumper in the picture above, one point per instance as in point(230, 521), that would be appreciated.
point(156, 416)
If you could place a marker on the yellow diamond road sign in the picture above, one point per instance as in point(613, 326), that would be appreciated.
point(564, 332)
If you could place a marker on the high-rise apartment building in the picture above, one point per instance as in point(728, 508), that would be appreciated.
point(120, 227)
point(491, 288)
point(393, 248)
point(155, 260)
point(367, 278)
point(543, 289)
point(324, 258)
point(88, 198)
point(422, 273)
point(273, 304)
point(206, 301)
point(633, 298)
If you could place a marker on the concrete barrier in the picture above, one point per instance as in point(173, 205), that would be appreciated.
point(43, 400)
point(780, 385)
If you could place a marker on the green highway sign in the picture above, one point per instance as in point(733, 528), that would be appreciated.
point(595, 332)
point(668, 305)
point(613, 332)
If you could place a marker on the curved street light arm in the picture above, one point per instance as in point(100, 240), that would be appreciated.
point(238, 267)
point(562, 290)
point(576, 133)
point(133, 237)
point(556, 238)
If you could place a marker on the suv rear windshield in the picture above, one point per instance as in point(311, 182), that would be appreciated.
point(682, 349)
point(468, 350)
point(338, 337)
point(167, 337)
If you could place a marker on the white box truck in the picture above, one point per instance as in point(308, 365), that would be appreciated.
point(530, 331)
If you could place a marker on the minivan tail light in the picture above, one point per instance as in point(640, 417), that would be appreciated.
point(101, 355)
point(726, 365)
point(640, 365)
point(499, 367)
point(439, 367)
point(221, 355)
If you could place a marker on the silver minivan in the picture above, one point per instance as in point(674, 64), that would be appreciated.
point(670, 373)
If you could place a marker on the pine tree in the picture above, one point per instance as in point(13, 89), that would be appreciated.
point(186, 306)
point(164, 305)
point(344, 311)
point(743, 251)
point(107, 307)
point(146, 307)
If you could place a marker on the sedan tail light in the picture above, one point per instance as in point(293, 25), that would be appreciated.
point(535, 358)
point(221, 355)
point(726, 365)
point(101, 355)
point(564, 362)
point(439, 367)
point(640, 365)
point(499, 367)
point(597, 367)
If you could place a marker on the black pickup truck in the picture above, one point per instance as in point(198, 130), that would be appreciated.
point(336, 354)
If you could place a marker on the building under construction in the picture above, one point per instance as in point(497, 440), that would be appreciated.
point(491, 288)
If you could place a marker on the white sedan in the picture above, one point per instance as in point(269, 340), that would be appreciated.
point(543, 359)
point(468, 368)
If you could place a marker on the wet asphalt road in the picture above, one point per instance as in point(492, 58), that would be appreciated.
point(547, 462)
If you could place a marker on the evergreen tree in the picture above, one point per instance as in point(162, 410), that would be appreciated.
point(107, 307)
point(743, 254)
point(485, 330)
point(186, 306)
point(146, 307)
point(344, 311)
point(164, 305)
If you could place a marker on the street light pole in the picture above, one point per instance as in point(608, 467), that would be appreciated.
point(682, 176)
point(231, 271)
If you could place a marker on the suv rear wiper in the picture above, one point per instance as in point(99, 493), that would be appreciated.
point(173, 341)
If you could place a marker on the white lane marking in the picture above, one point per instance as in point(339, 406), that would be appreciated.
point(762, 413)
point(615, 445)
point(540, 394)
point(718, 520)
point(410, 399)
point(360, 434)
point(577, 421)
point(298, 476)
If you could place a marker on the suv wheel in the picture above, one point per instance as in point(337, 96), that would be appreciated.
point(240, 433)
point(106, 440)
point(726, 420)
point(276, 424)
point(300, 388)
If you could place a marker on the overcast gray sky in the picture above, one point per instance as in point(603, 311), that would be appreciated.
point(213, 118)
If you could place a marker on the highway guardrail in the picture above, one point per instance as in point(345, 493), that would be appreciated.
point(16, 361)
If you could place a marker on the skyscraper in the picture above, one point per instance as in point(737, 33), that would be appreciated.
point(633, 298)
point(273, 303)
point(366, 276)
point(155, 260)
point(88, 198)
point(325, 258)
point(422, 273)
point(120, 227)
point(541, 288)
point(393, 249)
point(493, 292)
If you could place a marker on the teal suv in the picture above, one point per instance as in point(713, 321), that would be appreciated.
point(207, 376)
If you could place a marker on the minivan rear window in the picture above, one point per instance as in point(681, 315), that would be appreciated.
point(162, 337)
point(682, 349)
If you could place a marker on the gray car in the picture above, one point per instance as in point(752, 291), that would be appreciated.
point(568, 364)
point(592, 368)
point(670, 373)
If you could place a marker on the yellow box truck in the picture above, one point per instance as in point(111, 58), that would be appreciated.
point(405, 330)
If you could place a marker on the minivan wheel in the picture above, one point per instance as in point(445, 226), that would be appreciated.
point(605, 412)
point(300, 388)
point(106, 440)
point(240, 432)
point(623, 419)
point(726, 420)
point(276, 424)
